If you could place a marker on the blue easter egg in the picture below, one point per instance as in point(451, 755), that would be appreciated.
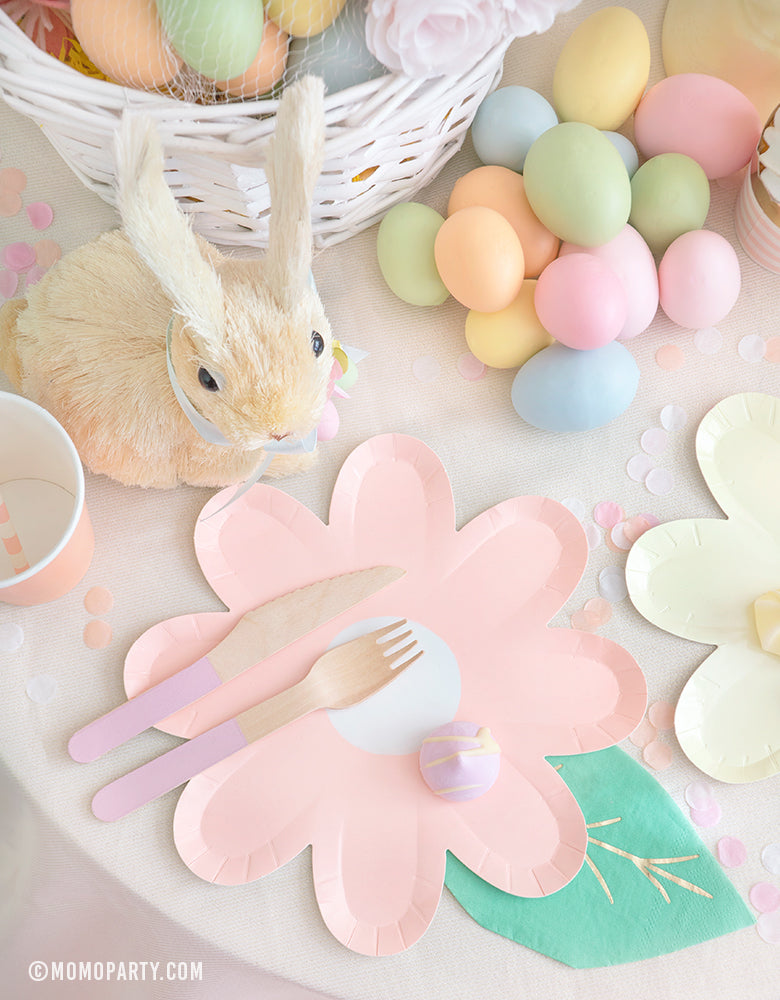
point(507, 123)
point(627, 150)
point(560, 389)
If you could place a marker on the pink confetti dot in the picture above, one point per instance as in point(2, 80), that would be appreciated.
point(9, 282)
point(13, 179)
point(764, 897)
point(10, 204)
point(19, 257)
point(40, 214)
point(98, 601)
point(643, 734)
point(35, 274)
point(635, 527)
point(97, 634)
point(654, 440)
point(660, 482)
point(661, 714)
point(608, 513)
point(426, 369)
point(651, 519)
point(658, 755)
point(638, 466)
point(470, 368)
point(585, 621)
point(47, 253)
point(732, 853)
point(768, 927)
point(773, 350)
point(670, 357)
point(674, 418)
point(600, 607)
point(707, 816)
point(699, 794)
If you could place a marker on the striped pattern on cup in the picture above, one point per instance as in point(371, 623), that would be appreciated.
point(10, 539)
point(759, 236)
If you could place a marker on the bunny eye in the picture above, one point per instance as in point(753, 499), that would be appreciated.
point(207, 380)
point(317, 343)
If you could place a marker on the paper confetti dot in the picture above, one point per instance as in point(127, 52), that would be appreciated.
point(643, 734)
point(708, 341)
point(635, 527)
point(18, 257)
point(40, 214)
point(770, 858)
point(608, 513)
point(98, 600)
point(764, 897)
point(9, 282)
point(768, 927)
point(41, 689)
point(661, 714)
point(707, 816)
point(470, 368)
point(577, 507)
point(670, 357)
point(660, 482)
point(47, 253)
point(638, 466)
point(426, 369)
point(10, 204)
point(97, 634)
point(658, 755)
point(593, 536)
point(34, 275)
point(585, 621)
point(619, 538)
point(699, 794)
point(651, 519)
point(752, 348)
point(731, 852)
point(11, 637)
point(773, 350)
point(612, 584)
point(599, 607)
point(674, 418)
point(13, 179)
point(654, 440)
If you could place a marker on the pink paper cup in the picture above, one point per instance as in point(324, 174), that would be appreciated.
point(755, 219)
point(43, 518)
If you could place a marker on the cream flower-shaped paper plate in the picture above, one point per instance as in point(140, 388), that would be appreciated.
point(718, 582)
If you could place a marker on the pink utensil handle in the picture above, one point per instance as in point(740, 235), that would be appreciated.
point(146, 709)
point(167, 772)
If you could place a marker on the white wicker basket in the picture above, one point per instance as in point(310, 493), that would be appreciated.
point(385, 140)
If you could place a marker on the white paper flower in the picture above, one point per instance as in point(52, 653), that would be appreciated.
point(529, 17)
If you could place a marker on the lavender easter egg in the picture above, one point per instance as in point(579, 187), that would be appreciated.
point(460, 761)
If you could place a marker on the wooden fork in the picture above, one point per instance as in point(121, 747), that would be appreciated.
point(343, 676)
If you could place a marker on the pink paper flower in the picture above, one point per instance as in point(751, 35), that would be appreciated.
point(349, 782)
point(532, 17)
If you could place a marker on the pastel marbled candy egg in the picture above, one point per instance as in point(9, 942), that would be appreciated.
point(460, 761)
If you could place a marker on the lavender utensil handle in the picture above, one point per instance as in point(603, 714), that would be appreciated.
point(144, 710)
point(168, 771)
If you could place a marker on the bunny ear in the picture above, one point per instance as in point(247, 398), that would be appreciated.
point(293, 164)
point(160, 232)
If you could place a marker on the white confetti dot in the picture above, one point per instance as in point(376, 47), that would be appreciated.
point(752, 348)
point(654, 440)
point(708, 341)
point(674, 418)
point(594, 536)
point(11, 637)
point(660, 482)
point(470, 368)
point(770, 858)
point(41, 689)
point(618, 537)
point(612, 584)
point(638, 467)
point(426, 369)
point(577, 507)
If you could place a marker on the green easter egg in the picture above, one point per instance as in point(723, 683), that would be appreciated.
point(577, 184)
point(404, 248)
point(670, 195)
point(217, 39)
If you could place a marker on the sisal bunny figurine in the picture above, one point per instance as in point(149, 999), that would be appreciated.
point(149, 345)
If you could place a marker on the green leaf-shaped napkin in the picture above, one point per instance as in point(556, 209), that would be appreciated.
point(649, 885)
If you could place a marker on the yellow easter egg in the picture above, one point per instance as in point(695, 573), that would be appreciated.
point(507, 339)
point(603, 69)
point(266, 70)
point(303, 17)
point(125, 41)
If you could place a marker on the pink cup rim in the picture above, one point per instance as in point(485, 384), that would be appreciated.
point(79, 496)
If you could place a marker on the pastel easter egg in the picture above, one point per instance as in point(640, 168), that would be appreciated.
point(339, 54)
point(630, 258)
point(509, 337)
point(460, 761)
point(560, 389)
point(701, 116)
point(504, 191)
point(602, 69)
point(303, 17)
point(404, 248)
point(626, 148)
point(699, 279)
point(670, 196)
point(577, 184)
point(480, 259)
point(507, 123)
point(580, 301)
point(220, 41)
point(126, 41)
point(267, 67)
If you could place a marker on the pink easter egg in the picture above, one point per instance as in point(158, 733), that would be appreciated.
point(329, 423)
point(699, 279)
point(632, 261)
point(460, 761)
point(701, 116)
point(581, 301)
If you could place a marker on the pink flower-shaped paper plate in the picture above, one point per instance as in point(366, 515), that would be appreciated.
point(348, 782)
